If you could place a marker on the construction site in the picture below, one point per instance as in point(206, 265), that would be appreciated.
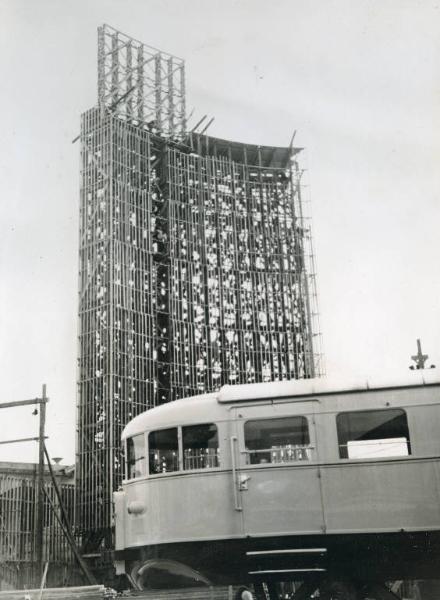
point(196, 263)
point(196, 271)
point(196, 274)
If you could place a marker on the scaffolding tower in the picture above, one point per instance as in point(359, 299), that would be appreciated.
point(196, 264)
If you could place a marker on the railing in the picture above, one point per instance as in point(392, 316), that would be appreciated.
point(166, 461)
point(279, 454)
point(204, 458)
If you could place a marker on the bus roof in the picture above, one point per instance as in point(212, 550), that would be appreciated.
point(208, 407)
point(321, 385)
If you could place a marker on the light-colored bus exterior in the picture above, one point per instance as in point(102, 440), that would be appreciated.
point(349, 484)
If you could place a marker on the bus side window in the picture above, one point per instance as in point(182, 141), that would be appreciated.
point(373, 433)
point(136, 464)
point(200, 446)
point(163, 451)
point(278, 440)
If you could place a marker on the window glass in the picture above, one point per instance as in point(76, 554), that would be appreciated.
point(163, 451)
point(136, 465)
point(200, 446)
point(277, 440)
point(373, 434)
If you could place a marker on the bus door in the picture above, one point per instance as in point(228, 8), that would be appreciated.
point(277, 479)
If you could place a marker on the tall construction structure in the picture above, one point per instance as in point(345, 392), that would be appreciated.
point(196, 267)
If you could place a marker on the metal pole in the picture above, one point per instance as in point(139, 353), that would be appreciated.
point(40, 485)
point(65, 524)
point(31, 439)
point(21, 403)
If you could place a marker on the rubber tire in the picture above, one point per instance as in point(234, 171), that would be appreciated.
point(248, 595)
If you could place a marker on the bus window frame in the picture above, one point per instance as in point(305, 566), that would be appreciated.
point(409, 447)
point(202, 469)
point(128, 479)
point(181, 470)
point(311, 446)
point(179, 450)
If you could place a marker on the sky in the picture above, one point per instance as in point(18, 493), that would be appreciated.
point(358, 81)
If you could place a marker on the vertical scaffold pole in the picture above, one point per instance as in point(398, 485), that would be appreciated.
point(158, 91)
point(40, 484)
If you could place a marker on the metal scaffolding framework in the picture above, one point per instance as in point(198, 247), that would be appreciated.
point(141, 84)
point(196, 270)
point(117, 366)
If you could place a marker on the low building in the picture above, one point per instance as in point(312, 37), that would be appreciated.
point(18, 507)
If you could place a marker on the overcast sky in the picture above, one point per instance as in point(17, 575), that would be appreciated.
point(358, 80)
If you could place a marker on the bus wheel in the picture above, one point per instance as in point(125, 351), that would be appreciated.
point(244, 593)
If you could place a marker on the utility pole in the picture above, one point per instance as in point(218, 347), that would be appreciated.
point(40, 485)
point(39, 516)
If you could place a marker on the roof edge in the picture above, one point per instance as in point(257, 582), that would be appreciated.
point(322, 385)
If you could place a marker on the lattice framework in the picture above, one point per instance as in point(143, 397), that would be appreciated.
point(116, 303)
point(141, 84)
point(192, 275)
point(239, 289)
point(196, 264)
